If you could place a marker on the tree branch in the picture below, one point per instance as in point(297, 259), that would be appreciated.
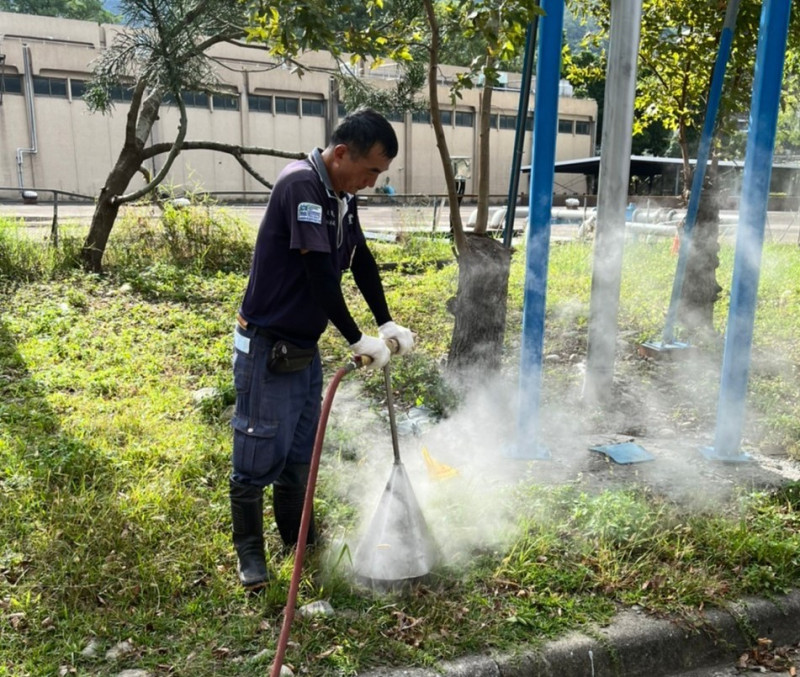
point(189, 18)
point(216, 39)
point(133, 111)
point(459, 238)
point(231, 149)
point(174, 152)
point(250, 170)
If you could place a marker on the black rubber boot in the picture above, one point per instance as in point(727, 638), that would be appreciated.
point(288, 495)
point(247, 512)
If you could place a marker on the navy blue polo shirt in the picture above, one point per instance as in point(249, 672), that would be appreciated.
point(302, 214)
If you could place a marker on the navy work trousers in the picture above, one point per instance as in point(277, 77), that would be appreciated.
point(276, 415)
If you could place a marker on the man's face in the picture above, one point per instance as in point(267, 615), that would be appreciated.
point(352, 173)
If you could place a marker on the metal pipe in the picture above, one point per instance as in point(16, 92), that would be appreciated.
point(703, 152)
point(612, 195)
point(54, 225)
point(770, 55)
point(34, 148)
point(519, 134)
point(543, 157)
point(387, 380)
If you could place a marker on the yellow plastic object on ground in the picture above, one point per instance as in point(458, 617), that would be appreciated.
point(437, 471)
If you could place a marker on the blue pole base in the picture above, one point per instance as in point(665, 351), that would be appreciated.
point(713, 455)
point(527, 452)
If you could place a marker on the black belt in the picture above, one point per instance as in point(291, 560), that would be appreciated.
point(261, 331)
point(247, 326)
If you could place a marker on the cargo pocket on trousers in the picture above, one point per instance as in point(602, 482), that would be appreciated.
point(254, 449)
point(242, 370)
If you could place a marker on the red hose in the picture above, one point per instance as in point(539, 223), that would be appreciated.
point(294, 585)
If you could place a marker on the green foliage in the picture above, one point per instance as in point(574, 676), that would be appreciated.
point(195, 238)
point(677, 52)
point(402, 97)
point(84, 10)
point(787, 140)
point(113, 481)
point(165, 49)
point(25, 257)
point(491, 36)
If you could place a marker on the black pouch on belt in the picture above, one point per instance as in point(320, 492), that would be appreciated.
point(285, 357)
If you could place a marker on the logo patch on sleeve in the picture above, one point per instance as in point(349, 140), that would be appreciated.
point(309, 212)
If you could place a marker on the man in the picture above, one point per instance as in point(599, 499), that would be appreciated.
point(309, 235)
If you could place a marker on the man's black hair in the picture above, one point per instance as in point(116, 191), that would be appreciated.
point(362, 129)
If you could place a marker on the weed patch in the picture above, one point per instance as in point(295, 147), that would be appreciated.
point(113, 476)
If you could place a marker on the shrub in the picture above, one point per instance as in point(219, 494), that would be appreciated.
point(200, 237)
point(25, 258)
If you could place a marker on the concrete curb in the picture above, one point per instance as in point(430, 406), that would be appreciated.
point(636, 645)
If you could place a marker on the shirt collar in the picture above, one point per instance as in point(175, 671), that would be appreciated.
point(315, 158)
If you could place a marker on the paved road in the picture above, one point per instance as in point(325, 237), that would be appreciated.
point(730, 670)
point(377, 218)
point(780, 226)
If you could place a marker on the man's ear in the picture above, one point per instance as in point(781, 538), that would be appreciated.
point(339, 151)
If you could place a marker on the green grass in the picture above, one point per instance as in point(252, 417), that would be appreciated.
point(113, 482)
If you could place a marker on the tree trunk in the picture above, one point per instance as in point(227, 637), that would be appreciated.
point(137, 129)
point(105, 213)
point(479, 307)
point(700, 288)
point(484, 147)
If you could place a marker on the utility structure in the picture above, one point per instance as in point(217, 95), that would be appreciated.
point(614, 171)
point(703, 153)
point(612, 196)
point(770, 54)
point(543, 158)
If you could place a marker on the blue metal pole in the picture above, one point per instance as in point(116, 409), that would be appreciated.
point(543, 158)
point(717, 78)
point(519, 133)
point(750, 233)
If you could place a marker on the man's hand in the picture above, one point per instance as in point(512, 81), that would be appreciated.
point(403, 336)
point(374, 348)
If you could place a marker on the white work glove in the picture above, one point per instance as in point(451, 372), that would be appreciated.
point(403, 336)
point(374, 348)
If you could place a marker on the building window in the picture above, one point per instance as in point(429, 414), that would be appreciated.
point(341, 111)
point(508, 122)
point(287, 105)
point(422, 116)
point(314, 108)
point(464, 118)
point(225, 101)
point(50, 86)
point(493, 120)
point(565, 126)
point(121, 93)
point(77, 88)
point(529, 123)
point(583, 127)
point(447, 117)
point(11, 84)
point(195, 99)
point(395, 116)
point(190, 99)
point(257, 102)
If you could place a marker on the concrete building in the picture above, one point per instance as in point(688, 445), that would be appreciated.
point(50, 140)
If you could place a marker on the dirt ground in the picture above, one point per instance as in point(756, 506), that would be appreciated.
point(667, 409)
